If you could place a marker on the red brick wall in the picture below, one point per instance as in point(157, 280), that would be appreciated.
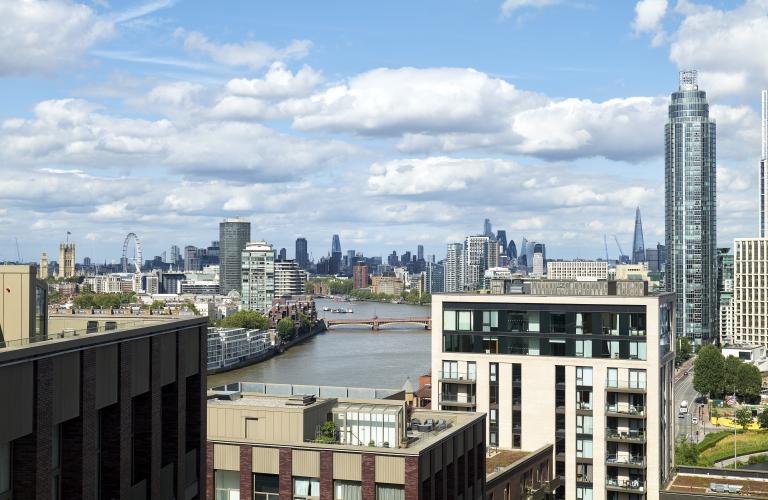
point(412, 478)
point(326, 475)
point(209, 472)
point(368, 474)
point(246, 471)
point(286, 474)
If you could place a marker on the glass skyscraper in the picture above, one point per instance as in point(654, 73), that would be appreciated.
point(690, 218)
point(233, 236)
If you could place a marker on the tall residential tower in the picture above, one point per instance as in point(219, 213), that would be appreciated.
point(233, 236)
point(764, 166)
point(690, 217)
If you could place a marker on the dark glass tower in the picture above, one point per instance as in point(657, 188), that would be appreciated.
point(512, 250)
point(638, 245)
point(302, 256)
point(234, 234)
point(690, 218)
point(501, 237)
point(335, 255)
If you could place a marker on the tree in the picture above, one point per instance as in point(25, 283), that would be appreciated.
point(285, 328)
point(762, 419)
point(684, 350)
point(749, 381)
point(743, 417)
point(305, 322)
point(251, 320)
point(327, 433)
point(731, 374)
point(709, 369)
point(686, 453)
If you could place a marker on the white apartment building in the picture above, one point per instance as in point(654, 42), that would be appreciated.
point(538, 264)
point(475, 261)
point(591, 375)
point(258, 276)
point(577, 269)
point(454, 268)
point(750, 291)
point(290, 279)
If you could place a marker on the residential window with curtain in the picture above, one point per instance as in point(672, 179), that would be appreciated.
point(347, 490)
point(227, 484)
point(390, 492)
point(305, 488)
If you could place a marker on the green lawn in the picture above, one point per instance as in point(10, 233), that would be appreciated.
point(746, 443)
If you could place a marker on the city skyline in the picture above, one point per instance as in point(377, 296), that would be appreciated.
point(178, 123)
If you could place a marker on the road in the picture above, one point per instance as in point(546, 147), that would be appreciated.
point(684, 391)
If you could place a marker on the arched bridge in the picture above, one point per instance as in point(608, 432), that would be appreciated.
point(376, 323)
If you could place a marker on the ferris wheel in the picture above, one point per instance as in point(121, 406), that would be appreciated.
point(136, 256)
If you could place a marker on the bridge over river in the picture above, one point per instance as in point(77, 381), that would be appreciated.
point(375, 323)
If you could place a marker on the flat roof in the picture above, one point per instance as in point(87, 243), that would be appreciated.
point(700, 484)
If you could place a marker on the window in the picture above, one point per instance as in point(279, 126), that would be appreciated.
point(266, 487)
point(584, 448)
point(613, 377)
point(227, 485)
point(637, 379)
point(347, 490)
point(583, 493)
point(584, 348)
point(451, 370)
point(390, 492)
point(583, 424)
point(637, 350)
point(449, 320)
point(5, 467)
point(583, 400)
point(490, 321)
point(465, 321)
point(471, 370)
point(584, 375)
point(305, 488)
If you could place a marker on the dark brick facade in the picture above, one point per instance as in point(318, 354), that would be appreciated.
point(411, 478)
point(286, 473)
point(246, 471)
point(368, 475)
point(326, 475)
point(209, 489)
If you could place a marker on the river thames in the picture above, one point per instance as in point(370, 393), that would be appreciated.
point(348, 356)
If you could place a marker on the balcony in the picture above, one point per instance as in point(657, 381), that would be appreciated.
point(629, 461)
point(630, 386)
point(581, 405)
point(625, 410)
point(457, 399)
point(625, 485)
point(625, 436)
point(458, 377)
point(583, 478)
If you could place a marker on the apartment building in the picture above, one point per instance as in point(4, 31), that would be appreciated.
point(306, 447)
point(590, 374)
point(97, 406)
point(749, 304)
point(577, 269)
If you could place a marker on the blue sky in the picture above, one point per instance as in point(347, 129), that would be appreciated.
point(390, 123)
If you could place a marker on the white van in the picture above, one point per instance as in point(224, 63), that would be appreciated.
point(683, 407)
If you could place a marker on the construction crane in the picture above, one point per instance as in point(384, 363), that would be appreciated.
point(621, 252)
point(605, 242)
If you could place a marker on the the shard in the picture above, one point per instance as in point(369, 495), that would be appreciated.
point(638, 245)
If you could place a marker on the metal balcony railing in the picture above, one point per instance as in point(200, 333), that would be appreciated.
point(458, 376)
point(625, 384)
point(457, 398)
point(637, 460)
point(628, 435)
point(626, 409)
point(630, 485)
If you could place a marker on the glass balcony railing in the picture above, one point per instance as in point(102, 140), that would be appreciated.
point(458, 376)
point(625, 384)
point(629, 485)
point(620, 460)
point(626, 409)
point(457, 398)
point(625, 435)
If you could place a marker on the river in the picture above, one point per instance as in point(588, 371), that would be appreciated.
point(348, 356)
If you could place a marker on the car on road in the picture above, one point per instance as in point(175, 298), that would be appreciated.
point(701, 399)
point(694, 420)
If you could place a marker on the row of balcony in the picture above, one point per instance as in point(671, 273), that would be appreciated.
point(631, 461)
point(625, 485)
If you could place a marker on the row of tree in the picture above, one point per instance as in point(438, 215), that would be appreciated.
point(716, 375)
point(336, 286)
point(254, 320)
point(103, 300)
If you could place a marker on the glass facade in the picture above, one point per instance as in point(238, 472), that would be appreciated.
point(690, 218)
point(525, 329)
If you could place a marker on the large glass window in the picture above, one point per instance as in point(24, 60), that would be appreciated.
point(347, 490)
point(490, 321)
point(305, 488)
point(451, 369)
point(465, 321)
point(613, 377)
point(637, 379)
point(637, 350)
point(227, 484)
point(449, 320)
point(584, 375)
point(389, 492)
point(584, 448)
point(266, 487)
point(583, 424)
point(583, 493)
point(583, 400)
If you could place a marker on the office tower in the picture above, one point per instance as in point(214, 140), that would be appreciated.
point(764, 165)
point(492, 254)
point(211, 257)
point(420, 252)
point(98, 406)
point(690, 206)
point(529, 246)
point(234, 234)
point(538, 264)
point(577, 269)
point(406, 258)
point(392, 259)
point(487, 229)
point(335, 244)
point(501, 238)
point(335, 262)
point(512, 250)
point(475, 261)
point(42, 272)
point(175, 256)
point(66, 260)
point(434, 277)
point(282, 254)
point(359, 276)
point(87, 261)
point(192, 258)
point(302, 255)
point(593, 375)
point(454, 268)
point(290, 279)
point(258, 281)
point(170, 282)
point(523, 247)
point(638, 245)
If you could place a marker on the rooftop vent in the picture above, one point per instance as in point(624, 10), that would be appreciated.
point(301, 400)
point(228, 395)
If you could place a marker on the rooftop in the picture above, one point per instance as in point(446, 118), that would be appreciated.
point(503, 459)
point(702, 484)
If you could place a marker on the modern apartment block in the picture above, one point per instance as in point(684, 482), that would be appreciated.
point(577, 269)
point(258, 276)
point(591, 375)
point(454, 268)
point(234, 234)
point(290, 278)
point(267, 447)
point(749, 312)
point(98, 406)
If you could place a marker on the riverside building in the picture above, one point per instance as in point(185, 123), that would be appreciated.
point(258, 276)
point(591, 375)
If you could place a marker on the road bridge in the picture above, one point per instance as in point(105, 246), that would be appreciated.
point(376, 323)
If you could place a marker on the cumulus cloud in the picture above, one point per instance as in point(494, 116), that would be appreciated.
point(509, 6)
point(648, 17)
point(252, 54)
point(724, 45)
point(278, 83)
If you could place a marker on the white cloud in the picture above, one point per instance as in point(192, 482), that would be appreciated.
point(726, 46)
point(278, 82)
point(41, 36)
point(648, 17)
point(252, 54)
point(510, 6)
